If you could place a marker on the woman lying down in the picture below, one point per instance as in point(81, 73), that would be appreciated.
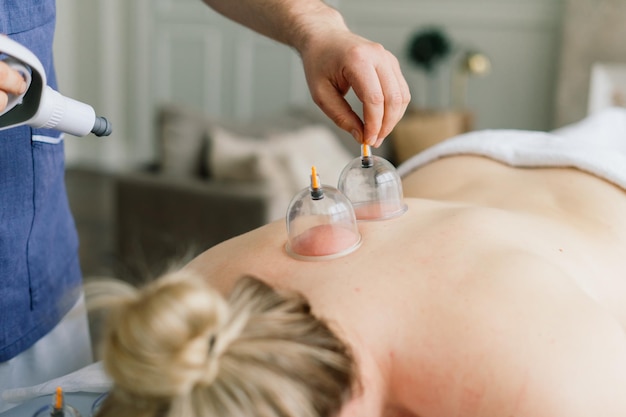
point(500, 292)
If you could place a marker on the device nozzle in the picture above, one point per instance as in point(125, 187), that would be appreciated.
point(102, 127)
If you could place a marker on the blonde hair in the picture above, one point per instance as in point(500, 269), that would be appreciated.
point(178, 348)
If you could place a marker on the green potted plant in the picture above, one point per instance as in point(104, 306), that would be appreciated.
point(427, 50)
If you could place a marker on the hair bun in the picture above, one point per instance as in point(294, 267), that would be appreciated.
point(165, 335)
point(179, 350)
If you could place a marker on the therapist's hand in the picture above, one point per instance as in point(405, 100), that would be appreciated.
point(11, 82)
point(334, 62)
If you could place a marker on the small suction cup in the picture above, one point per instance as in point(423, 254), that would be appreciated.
point(373, 186)
point(321, 223)
point(58, 408)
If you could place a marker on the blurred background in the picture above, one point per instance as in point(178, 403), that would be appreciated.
point(161, 68)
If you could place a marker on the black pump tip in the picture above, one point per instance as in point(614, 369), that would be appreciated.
point(317, 193)
point(367, 162)
point(102, 127)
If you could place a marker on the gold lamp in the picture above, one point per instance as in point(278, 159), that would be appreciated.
point(473, 63)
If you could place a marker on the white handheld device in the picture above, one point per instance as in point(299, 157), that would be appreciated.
point(40, 106)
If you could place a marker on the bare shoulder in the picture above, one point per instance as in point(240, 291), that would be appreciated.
point(519, 340)
point(252, 253)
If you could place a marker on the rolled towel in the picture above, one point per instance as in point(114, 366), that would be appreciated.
point(91, 378)
point(596, 145)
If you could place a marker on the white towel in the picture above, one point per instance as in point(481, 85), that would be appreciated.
point(91, 378)
point(596, 145)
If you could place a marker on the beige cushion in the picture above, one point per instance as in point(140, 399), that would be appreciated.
point(277, 153)
point(182, 144)
point(284, 158)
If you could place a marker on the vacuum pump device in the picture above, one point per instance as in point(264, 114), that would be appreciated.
point(40, 106)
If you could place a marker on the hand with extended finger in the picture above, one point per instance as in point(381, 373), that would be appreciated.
point(335, 62)
point(11, 82)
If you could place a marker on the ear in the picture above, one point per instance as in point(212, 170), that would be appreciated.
point(369, 398)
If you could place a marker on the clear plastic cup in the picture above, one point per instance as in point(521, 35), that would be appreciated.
point(373, 186)
point(321, 223)
point(58, 407)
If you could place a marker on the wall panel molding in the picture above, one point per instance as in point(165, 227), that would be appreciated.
point(261, 63)
point(128, 57)
point(199, 69)
point(490, 13)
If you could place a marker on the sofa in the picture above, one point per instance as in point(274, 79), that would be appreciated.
point(214, 180)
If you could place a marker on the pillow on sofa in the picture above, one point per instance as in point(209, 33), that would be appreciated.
point(182, 141)
point(282, 159)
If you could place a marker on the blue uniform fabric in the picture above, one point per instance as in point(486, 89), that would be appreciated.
point(40, 278)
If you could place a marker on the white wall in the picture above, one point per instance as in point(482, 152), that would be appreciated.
point(593, 32)
point(91, 56)
point(126, 57)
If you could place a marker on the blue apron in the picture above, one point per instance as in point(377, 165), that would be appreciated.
point(40, 277)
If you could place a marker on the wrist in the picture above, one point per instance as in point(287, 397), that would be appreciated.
point(313, 25)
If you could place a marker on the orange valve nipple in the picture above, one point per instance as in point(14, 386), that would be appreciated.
point(316, 189)
point(366, 156)
point(57, 407)
point(58, 398)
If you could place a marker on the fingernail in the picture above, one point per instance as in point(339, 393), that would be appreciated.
point(371, 141)
point(356, 135)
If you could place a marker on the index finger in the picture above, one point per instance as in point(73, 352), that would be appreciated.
point(397, 98)
point(368, 89)
point(11, 81)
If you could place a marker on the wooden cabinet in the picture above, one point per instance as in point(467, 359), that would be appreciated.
point(420, 129)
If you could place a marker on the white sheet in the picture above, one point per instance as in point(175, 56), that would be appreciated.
point(596, 145)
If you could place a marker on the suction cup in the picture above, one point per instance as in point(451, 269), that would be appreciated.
point(373, 186)
point(321, 223)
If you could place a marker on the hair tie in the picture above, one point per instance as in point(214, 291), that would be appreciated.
point(218, 345)
point(211, 343)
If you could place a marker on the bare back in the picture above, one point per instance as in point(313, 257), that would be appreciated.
point(499, 292)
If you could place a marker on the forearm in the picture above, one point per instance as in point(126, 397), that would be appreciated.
point(335, 61)
point(292, 22)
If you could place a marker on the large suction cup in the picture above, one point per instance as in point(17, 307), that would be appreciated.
point(321, 223)
point(373, 186)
